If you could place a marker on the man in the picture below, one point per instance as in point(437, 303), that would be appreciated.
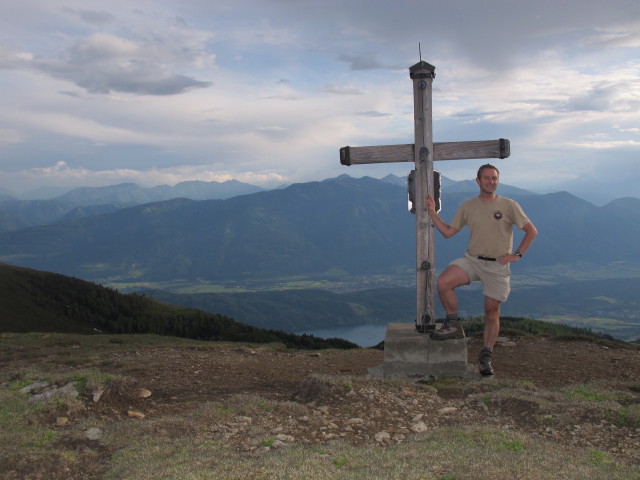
point(490, 219)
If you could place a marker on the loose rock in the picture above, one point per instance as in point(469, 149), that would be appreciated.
point(419, 427)
point(69, 390)
point(93, 433)
point(144, 393)
point(447, 410)
point(34, 386)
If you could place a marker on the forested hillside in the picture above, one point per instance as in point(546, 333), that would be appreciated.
point(34, 301)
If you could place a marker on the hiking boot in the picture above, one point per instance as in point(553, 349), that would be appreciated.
point(485, 367)
point(451, 329)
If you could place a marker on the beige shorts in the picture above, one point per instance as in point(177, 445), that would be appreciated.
point(495, 278)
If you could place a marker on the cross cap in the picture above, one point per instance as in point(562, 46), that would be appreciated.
point(421, 68)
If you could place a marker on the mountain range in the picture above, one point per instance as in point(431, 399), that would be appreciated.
point(88, 201)
point(358, 226)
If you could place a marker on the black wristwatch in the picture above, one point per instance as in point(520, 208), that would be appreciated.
point(517, 252)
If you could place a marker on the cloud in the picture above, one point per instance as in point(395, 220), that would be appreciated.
point(62, 174)
point(103, 63)
point(93, 130)
point(606, 144)
point(69, 93)
point(607, 96)
point(628, 130)
point(621, 37)
point(91, 16)
point(596, 99)
point(273, 131)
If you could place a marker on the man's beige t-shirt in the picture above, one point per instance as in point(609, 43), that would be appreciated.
point(490, 225)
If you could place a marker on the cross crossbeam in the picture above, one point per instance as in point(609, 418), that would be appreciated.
point(441, 151)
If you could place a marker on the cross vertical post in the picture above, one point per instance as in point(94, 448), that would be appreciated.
point(422, 75)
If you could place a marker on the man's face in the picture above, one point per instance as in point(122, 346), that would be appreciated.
point(488, 181)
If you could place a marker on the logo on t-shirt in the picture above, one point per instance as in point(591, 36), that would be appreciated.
point(497, 215)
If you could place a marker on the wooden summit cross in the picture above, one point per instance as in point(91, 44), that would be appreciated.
point(423, 152)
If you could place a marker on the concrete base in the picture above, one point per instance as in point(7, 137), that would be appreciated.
point(411, 355)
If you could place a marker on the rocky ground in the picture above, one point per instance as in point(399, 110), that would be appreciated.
point(267, 397)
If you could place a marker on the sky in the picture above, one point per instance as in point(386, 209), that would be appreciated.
point(266, 92)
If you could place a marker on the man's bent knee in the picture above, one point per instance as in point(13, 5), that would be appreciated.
point(452, 277)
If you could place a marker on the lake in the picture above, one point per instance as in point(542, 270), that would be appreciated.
point(362, 335)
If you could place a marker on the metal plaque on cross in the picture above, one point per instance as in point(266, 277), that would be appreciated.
point(423, 152)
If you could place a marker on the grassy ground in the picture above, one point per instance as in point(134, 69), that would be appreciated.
point(443, 454)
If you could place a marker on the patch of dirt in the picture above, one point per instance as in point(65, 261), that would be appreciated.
point(549, 362)
point(190, 374)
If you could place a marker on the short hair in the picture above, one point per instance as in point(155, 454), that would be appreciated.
point(485, 166)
